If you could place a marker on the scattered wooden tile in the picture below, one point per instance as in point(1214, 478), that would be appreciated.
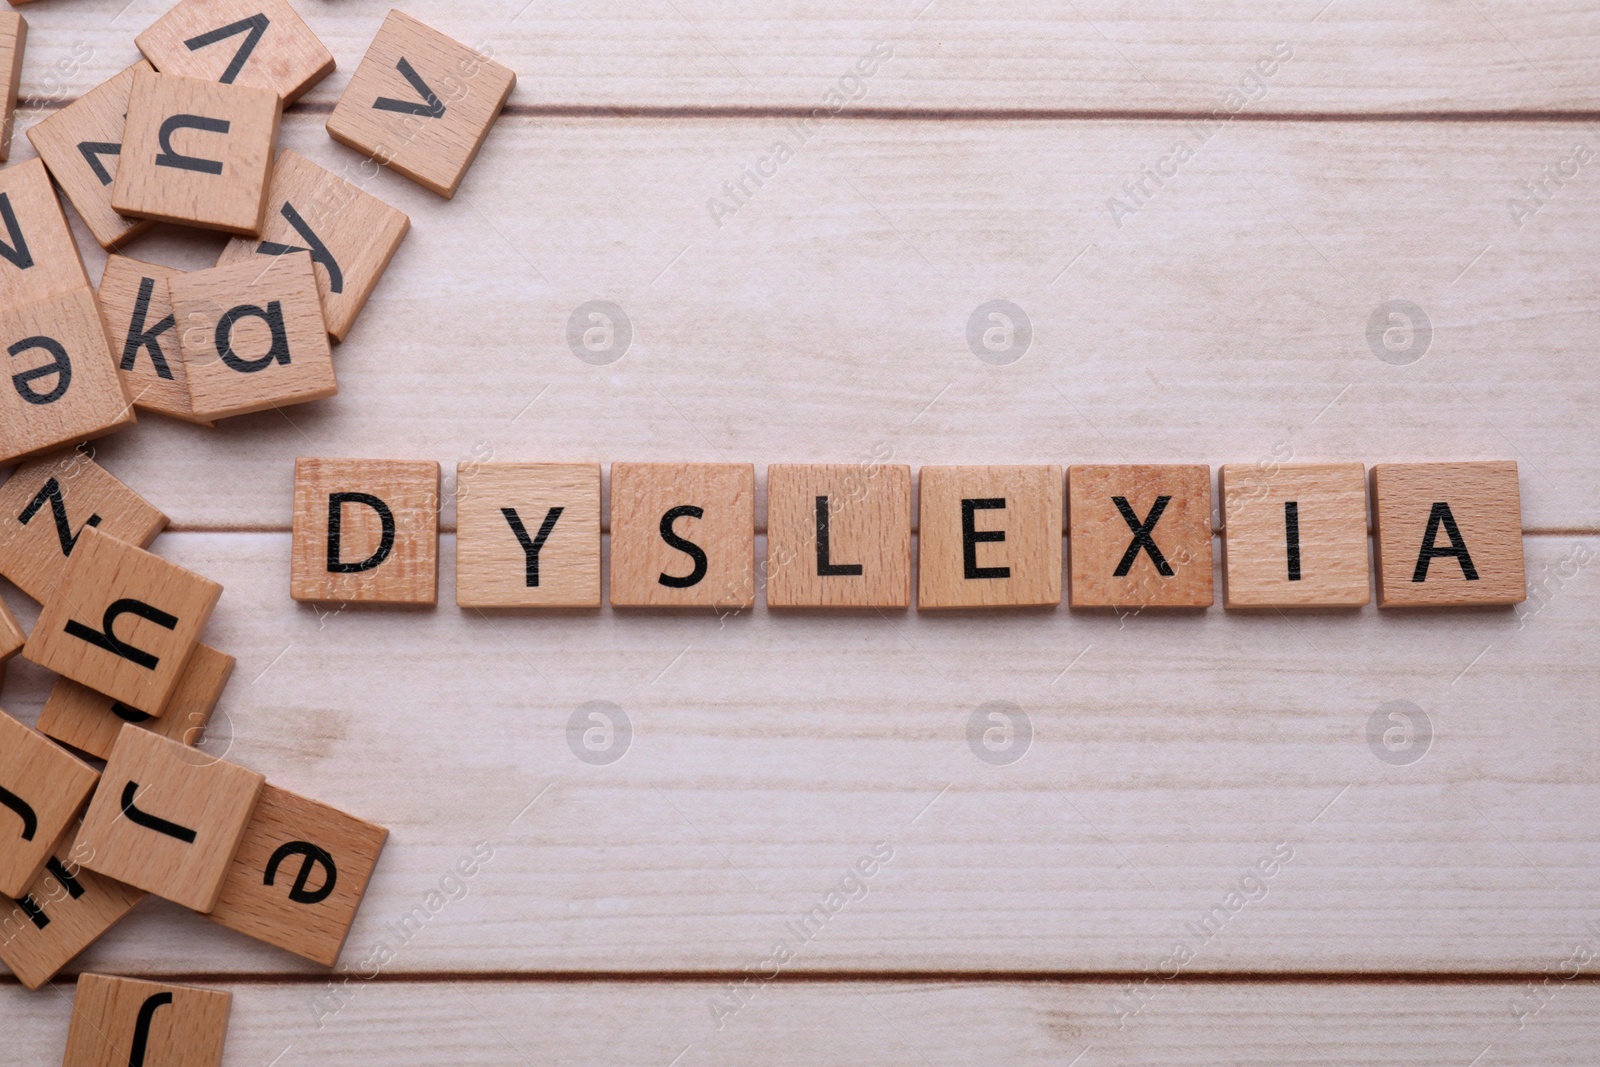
point(13, 41)
point(300, 875)
point(990, 537)
point(252, 336)
point(350, 235)
point(125, 622)
point(47, 503)
point(838, 535)
point(366, 531)
point(1140, 536)
point(1448, 534)
point(168, 819)
point(683, 535)
point(238, 42)
point(528, 535)
point(137, 312)
point(38, 256)
point(89, 721)
point(64, 911)
point(1295, 536)
point(421, 103)
point(43, 789)
point(196, 152)
point(119, 1021)
point(12, 635)
point(81, 144)
point(64, 382)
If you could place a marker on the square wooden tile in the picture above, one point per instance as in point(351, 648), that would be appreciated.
point(124, 623)
point(196, 153)
point(167, 818)
point(238, 42)
point(78, 716)
point(350, 235)
point(252, 336)
point(528, 535)
point(990, 537)
point(81, 144)
point(421, 103)
point(683, 535)
point(121, 1021)
point(1295, 536)
point(838, 535)
point(1139, 536)
point(43, 789)
point(366, 531)
point(64, 911)
point(300, 875)
point(38, 256)
point(137, 312)
point(47, 502)
point(13, 41)
point(64, 383)
point(1448, 534)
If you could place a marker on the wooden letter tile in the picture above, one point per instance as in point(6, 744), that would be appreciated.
point(252, 337)
point(683, 535)
point(196, 152)
point(38, 257)
point(47, 503)
point(66, 910)
point(1140, 536)
point(171, 1025)
point(125, 622)
point(350, 234)
point(64, 387)
point(366, 531)
point(528, 535)
point(43, 789)
point(1295, 536)
point(299, 875)
point(238, 42)
point(137, 312)
point(167, 818)
point(838, 535)
point(990, 537)
point(78, 716)
point(12, 636)
point(1448, 534)
point(81, 145)
point(13, 39)
point(421, 103)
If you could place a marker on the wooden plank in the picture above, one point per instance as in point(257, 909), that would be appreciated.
point(882, 1024)
point(1096, 54)
point(1234, 318)
point(1432, 774)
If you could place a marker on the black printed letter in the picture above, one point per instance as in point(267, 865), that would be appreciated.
point(971, 537)
point(1141, 536)
point(1291, 535)
point(152, 822)
point(336, 503)
point(531, 547)
point(272, 315)
point(314, 857)
point(431, 107)
point(61, 367)
point(826, 568)
point(106, 639)
point(51, 491)
point(141, 1029)
point(688, 548)
point(167, 157)
point(1456, 549)
point(30, 821)
point(140, 337)
point(319, 251)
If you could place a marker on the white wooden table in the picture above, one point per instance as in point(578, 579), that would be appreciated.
point(1438, 900)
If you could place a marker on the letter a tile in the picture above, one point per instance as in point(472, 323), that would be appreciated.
point(196, 153)
point(1448, 534)
point(366, 531)
point(125, 622)
point(991, 537)
point(299, 875)
point(238, 42)
point(43, 789)
point(66, 910)
point(421, 103)
point(120, 1021)
point(1139, 536)
point(167, 818)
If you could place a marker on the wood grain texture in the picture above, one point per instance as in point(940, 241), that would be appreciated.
point(366, 531)
point(794, 743)
point(1208, 387)
point(990, 537)
point(140, 328)
point(683, 535)
point(82, 145)
point(1294, 535)
point(67, 908)
point(116, 1021)
point(12, 636)
point(46, 788)
point(13, 42)
point(1447, 534)
point(1359, 56)
point(169, 819)
point(550, 558)
point(1139, 535)
point(263, 43)
point(45, 261)
point(90, 722)
point(853, 519)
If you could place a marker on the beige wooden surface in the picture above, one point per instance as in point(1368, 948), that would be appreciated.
point(1430, 907)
